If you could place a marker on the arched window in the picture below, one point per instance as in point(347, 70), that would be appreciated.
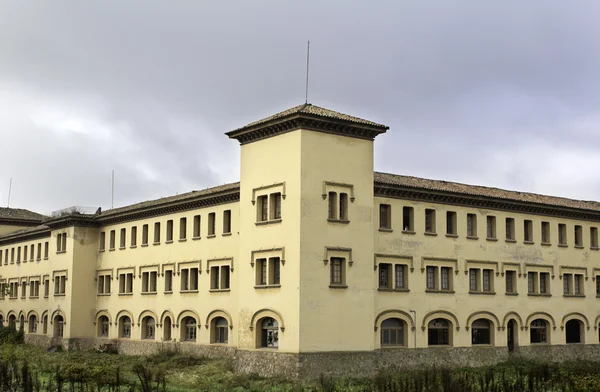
point(220, 330)
point(125, 327)
point(22, 322)
point(1, 321)
point(438, 332)
point(269, 333)
point(481, 332)
point(148, 327)
point(103, 326)
point(189, 329)
point(45, 324)
point(392, 332)
point(167, 329)
point(32, 324)
point(538, 331)
point(59, 326)
point(574, 331)
point(12, 321)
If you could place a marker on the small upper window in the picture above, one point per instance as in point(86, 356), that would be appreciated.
point(385, 216)
point(451, 227)
point(471, 225)
point(430, 221)
point(408, 219)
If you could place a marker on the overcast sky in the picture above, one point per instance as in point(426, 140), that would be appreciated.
point(503, 93)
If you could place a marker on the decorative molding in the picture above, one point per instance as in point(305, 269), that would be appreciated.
point(437, 260)
point(230, 259)
point(263, 187)
point(337, 249)
point(397, 257)
point(281, 250)
point(327, 184)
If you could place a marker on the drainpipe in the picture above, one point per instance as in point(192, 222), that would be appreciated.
point(415, 321)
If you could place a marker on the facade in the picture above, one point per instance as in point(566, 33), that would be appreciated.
point(313, 263)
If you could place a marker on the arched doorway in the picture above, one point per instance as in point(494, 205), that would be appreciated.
point(12, 321)
point(574, 331)
point(167, 329)
point(59, 326)
point(512, 335)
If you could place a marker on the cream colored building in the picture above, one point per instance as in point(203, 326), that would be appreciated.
point(313, 263)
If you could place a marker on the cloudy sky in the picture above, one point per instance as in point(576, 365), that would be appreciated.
point(501, 93)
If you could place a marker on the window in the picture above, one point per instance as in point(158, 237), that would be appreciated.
point(451, 226)
point(32, 324)
point(438, 332)
point(220, 330)
point(385, 216)
point(491, 227)
point(487, 280)
point(274, 270)
point(168, 281)
point(275, 206)
point(189, 279)
point(111, 241)
point(562, 234)
point(104, 284)
point(337, 272)
point(25, 254)
point(126, 283)
point(439, 278)
point(23, 289)
point(511, 279)
point(430, 221)
point(269, 333)
point(60, 282)
point(593, 237)
point(268, 271)
point(431, 278)
point(472, 225)
point(385, 276)
point(219, 277)
point(408, 219)
point(481, 332)
point(400, 282)
point(144, 235)
point(527, 230)
point(473, 272)
point(446, 276)
point(39, 251)
point(156, 233)
point(545, 232)
point(59, 326)
point(46, 288)
point(332, 205)
point(103, 326)
point(196, 226)
point(13, 290)
point(343, 206)
point(61, 242)
point(18, 254)
point(46, 249)
point(262, 208)
point(544, 280)
point(531, 282)
point(573, 284)
point(169, 231)
point(133, 236)
point(261, 272)
point(34, 289)
point(567, 285)
point(392, 332)
point(538, 331)
point(211, 224)
point(148, 327)
point(578, 284)
point(189, 329)
point(125, 327)
point(149, 281)
point(182, 228)
point(122, 238)
point(510, 229)
point(578, 236)
point(31, 253)
point(227, 222)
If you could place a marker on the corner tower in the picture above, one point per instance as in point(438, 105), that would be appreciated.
point(306, 199)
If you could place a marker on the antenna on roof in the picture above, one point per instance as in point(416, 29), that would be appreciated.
point(9, 190)
point(307, 63)
point(112, 202)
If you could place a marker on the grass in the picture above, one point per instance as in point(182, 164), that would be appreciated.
point(25, 368)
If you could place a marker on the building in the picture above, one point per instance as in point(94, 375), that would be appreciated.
point(314, 263)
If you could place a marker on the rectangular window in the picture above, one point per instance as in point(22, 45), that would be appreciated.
point(261, 272)
point(102, 241)
point(60, 285)
point(262, 208)
point(567, 284)
point(126, 283)
point(211, 224)
point(510, 281)
point(487, 280)
point(34, 288)
point(219, 277)
point(385, 216)
point(491, 227)
point(597, 285)
point(19, 254)
point(111, 241)
point(562, 234)
point(144, 235)
point(149, 282)
point(343, 206)
point(401, 276)
point(122, 239)
point(545, 232)
point(182, 228)
point(332, 213)
point(430, 221)
point(578, 236)
point(385, 275)
point(578, 284)
point(275, 205)
point(23, 289)
point(446, 278)
point(531, 282)
point(39, 251)
point(337, 270)
point(593, 237)
point(527, 230)
point(214, 278)
point(196, 226)
point(46, 288)
point(431, 278)
point(510, 229)
point(193, 278)
point(25, 254)
point(31, 253)
point(227, 222)
point(104, 284)
point(169, 281)
point(157, 233)
point(471, 225)
point(189, 279)
point(451, 226)
point(544, 279)
point(473, 279)
point(408, 219)
point(274, 270)
point(133, 236)
point(169, 231)
point(225, 277)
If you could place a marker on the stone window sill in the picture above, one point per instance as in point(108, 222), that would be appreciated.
point(121, 247)
point(392, 347)
point(386, 230)
point(103, 294)
point(493, 239)
point(168, 241)
point(268, 222)
point(408, 232)
point(338, 286)
point(133, 247)
point(452, 235)
point(61, 251)
point(100, 251)
point(539, 295)
point(511, 241)
point(578, 247)
point(439, 291)
point(512, 294)
point(226, 234)
point(219, 290)
point(482, 292)
point(38, 259)
point(188, 291)
point(344, 221)
point(267, 286)
point(109, 249)
point(574, 295)
point(156, 243)
point(196, 238)
point(390, 290)
point(149, 293)
point(546, 244)
point(169, 292)
point(528, 242)
point(563, 245)
point(59, 295)
point(472, 237)
point(34, 297)
point(125, 294)
point(430, 233)
point(144, 245)
point(211, 236)
point(594, 248)
point(182, 239)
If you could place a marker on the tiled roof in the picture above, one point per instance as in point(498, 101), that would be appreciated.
point(171, 199)
point(20, 214)
point(313, 110)
point(482, 191)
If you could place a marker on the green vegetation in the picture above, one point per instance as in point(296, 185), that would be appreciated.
point(25, 368)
